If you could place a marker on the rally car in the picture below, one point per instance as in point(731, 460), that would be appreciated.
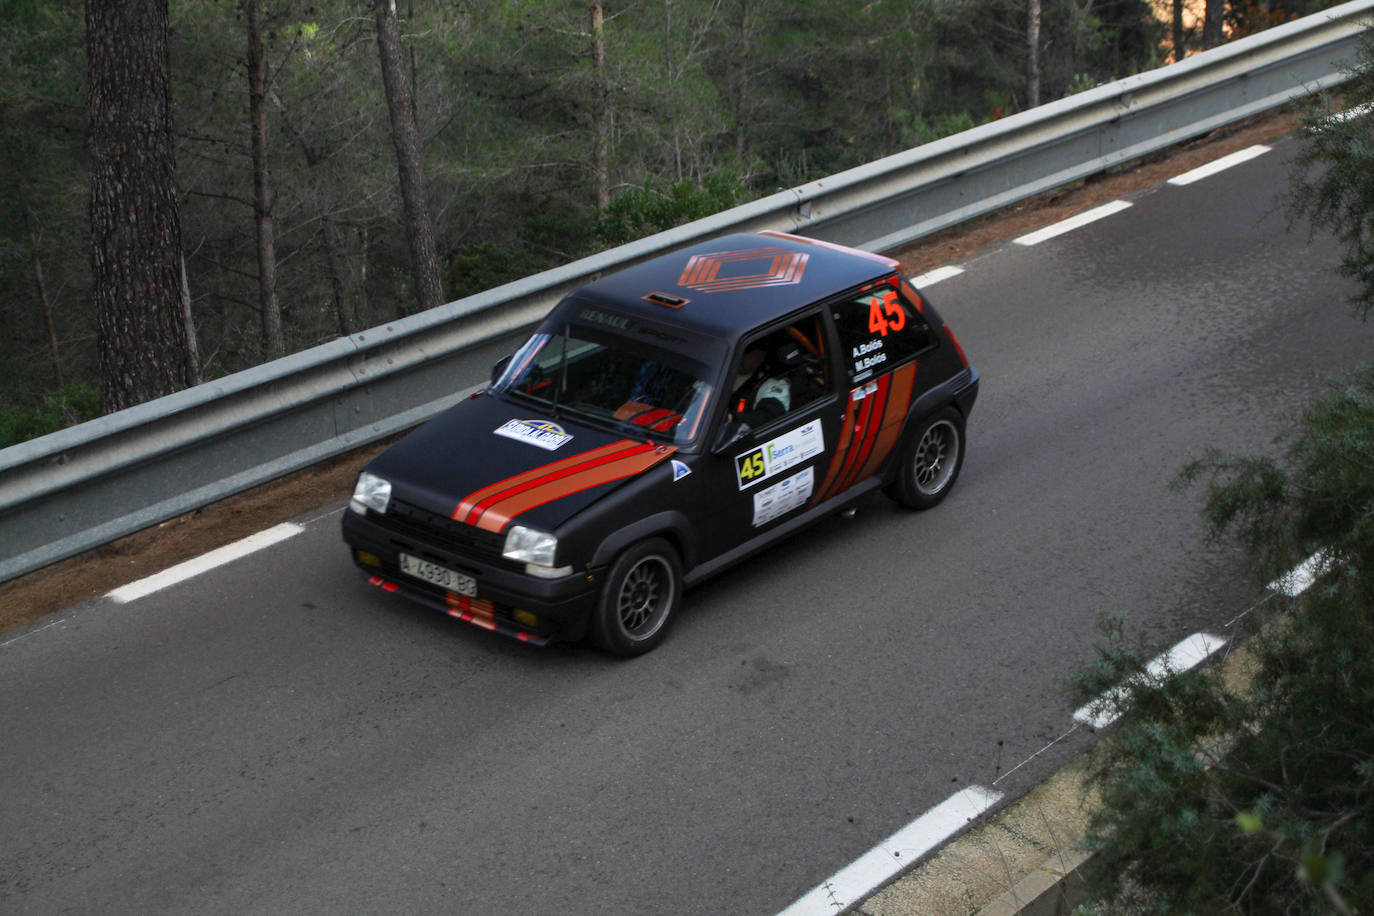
point(660, 425)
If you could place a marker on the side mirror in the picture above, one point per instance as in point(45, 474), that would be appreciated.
point(499, 369)
point(731, 434)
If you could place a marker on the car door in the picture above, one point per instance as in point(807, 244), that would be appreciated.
point(881, 335)
point(782, 414)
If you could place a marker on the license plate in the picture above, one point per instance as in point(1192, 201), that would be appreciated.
point(439, 575)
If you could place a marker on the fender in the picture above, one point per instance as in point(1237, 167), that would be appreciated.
point(959, 392)
point(672, 523)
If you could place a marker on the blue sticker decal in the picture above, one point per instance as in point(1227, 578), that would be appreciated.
point(680, 470)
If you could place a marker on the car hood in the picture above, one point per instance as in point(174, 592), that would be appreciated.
point(489, 462)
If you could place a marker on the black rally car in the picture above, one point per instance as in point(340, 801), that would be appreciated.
point(660, 425)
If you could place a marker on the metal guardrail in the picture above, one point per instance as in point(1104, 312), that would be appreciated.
point(87, 485)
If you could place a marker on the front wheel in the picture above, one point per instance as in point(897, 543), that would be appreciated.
point(930, 462)
point(640, 596)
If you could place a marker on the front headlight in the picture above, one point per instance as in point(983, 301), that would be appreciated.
point(536, 549)
point(530, 546)
point(370, 492)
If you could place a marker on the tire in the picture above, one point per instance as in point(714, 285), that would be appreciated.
point(930, 461)
point(639, 598)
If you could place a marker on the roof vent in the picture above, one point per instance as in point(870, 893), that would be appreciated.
point(672, 302)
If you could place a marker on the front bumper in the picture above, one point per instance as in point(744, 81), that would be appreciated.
point(513, 603)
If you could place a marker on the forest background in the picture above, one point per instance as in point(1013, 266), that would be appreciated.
point(547, 130)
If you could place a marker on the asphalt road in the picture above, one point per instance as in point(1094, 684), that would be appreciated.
point(274, 736)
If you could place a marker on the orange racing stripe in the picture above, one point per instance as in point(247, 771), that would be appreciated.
point(470, 502)
point(842, 444)
point(496, 511)
point(863, 430)
point(899, 399)
point(876, 403)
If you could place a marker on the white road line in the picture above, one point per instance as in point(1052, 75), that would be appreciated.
point(866, 873)
point(1341, 117)
point(931, 277)
point(194, 567)
point(1219, 165)
point(1296, 581)
point(1073, 222)
point(1189, 653)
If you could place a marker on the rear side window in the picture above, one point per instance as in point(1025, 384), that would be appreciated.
point(880, 329)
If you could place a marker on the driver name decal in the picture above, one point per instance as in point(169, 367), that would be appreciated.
point(777, 455)
point(543, 433)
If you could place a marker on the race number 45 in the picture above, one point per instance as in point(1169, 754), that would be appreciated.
point(885, 314)
point(750, 467)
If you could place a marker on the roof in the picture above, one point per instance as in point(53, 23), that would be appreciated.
point(736, 282)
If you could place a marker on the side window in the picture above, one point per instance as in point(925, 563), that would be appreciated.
point(880, 329)
point(780, 373)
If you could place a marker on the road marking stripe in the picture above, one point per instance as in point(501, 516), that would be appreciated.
point(1188, 654)
point(1341, 117)
point(866, 873)
point(204, 563)
point(1219, 165)
point(1073, 222)
point(1296, 581)
point(931, 277)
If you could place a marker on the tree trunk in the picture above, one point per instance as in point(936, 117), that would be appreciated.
point(601, 163)
point(740, 77)
point(1178, 30)
point(192, 346)
point(405, 136)
point(329, 232)
point(136, 256)
point(30, 222)
point(348, 323)
point(1033, 54)
point(272, 344)
point(1212, 34)
point(362, 310)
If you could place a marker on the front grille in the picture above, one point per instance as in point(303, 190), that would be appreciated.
point(443, 531)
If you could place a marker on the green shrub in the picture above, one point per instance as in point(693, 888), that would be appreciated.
point(66, 406)
point(1260, 799)
point(642, 210)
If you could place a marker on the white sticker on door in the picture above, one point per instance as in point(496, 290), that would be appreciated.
point(783, 496)
point(777, 455)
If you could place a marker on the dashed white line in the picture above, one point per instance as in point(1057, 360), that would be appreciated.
point(204, 563)
point(1074, 222)
point(1219, 165)
point(866, 873)
point(1357, 111)
point(1297, 580)
point(1187, 654)
point(931, 277)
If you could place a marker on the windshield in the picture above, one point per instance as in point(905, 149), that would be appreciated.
point(610, 382)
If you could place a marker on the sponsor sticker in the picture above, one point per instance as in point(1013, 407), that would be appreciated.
point(543, 433)
point(777, 455)
point(680, 470)
point(858, 394)
point(783, 496)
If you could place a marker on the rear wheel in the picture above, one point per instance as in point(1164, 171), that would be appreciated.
point(638, 600)
point(930, 462)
